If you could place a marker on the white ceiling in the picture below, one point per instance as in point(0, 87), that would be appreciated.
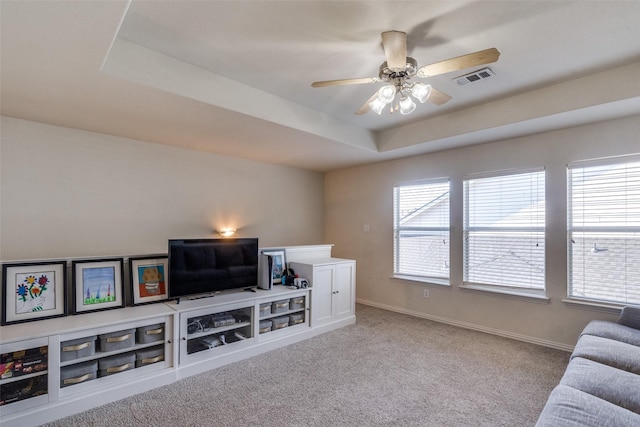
point(233, 77)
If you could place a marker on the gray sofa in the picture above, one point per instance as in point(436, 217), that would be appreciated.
point(601, 385)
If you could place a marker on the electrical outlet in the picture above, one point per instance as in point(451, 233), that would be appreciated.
point(426, 293)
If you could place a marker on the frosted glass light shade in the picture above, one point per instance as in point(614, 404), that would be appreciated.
point(421, 91)
point(376, 105)
point(406, 105)
point(387, 93)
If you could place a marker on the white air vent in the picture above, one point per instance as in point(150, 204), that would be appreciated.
point(476, 76)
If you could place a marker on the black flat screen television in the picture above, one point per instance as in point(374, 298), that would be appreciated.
point(205, 266)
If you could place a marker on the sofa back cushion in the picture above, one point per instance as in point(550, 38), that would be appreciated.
point(630, 316)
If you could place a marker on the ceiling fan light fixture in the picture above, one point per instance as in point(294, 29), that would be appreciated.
point(386, 93)
point(406, 105)
point(421, 91)
point(376, 105)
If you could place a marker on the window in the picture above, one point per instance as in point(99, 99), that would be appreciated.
point(604, 230)
point(421, 229)
point(504, 230)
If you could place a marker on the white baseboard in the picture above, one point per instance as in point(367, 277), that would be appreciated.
point(472, 326)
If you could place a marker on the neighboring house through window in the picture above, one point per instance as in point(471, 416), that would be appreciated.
point(421, 230)
point(504, 231)
point(604, 230)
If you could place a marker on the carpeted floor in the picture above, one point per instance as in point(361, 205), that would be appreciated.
point(388, 369)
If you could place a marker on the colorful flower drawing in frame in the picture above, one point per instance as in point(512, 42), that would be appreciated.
point(149, 279)
point(97, 285)
point(33, 291)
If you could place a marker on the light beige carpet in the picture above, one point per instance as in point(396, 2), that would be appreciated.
point(388, 369)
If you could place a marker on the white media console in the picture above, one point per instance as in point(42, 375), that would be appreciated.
point(83, 361)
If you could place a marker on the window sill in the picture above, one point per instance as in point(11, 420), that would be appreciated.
point(594, 305)
point(426, 280)
point(521, 294)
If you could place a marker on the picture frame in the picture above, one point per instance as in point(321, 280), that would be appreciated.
point(33, 291)
point(279, 264)
point(149, 279)
point(97, 285)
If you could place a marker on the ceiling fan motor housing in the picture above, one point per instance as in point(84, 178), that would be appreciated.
point(392, 74)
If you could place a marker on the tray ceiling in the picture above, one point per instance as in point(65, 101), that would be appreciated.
point(233, 77)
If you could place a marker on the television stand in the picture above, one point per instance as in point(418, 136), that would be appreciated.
point(196, 297)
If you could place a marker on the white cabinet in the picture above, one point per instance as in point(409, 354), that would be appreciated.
point(332, 282)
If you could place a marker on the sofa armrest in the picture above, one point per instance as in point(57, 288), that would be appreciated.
point(630, 316)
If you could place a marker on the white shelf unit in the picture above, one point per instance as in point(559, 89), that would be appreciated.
point(332, 292)
point(18, 390)
point(124, 371)
point(296, 310)
point(206, 332)
point(60, 401)
point(243, 307)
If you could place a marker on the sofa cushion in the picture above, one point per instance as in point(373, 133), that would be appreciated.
point(609, 352)
point(630, 316)
point(614, 331)
point(569, 407)
point(614, 385)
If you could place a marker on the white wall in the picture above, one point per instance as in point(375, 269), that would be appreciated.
point(69, 193)
point(363, 195)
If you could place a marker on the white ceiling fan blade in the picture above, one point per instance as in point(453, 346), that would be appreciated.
point(482, 57)
point(365, 107)
point(437, 97)
point(345, 82)
point(395, 49)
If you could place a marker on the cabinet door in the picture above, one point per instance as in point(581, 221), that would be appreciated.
point(343, 298)
point(322, 294)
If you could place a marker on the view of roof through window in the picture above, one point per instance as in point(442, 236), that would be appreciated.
point(604, 232)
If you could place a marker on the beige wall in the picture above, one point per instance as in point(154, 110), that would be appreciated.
point(363, 195)
point(68, 193)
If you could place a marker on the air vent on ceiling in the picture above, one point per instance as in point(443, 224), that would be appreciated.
point(476, 76)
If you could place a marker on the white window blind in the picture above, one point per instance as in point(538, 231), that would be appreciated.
point(421, 229)
point(604, 230)
point(504, 230)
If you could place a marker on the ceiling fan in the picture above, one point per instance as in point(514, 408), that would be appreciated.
point(399, 69)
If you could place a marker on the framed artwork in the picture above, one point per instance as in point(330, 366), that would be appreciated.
point(33, 291)
point(97, 285)
point(149, 279)
point(279, 264)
